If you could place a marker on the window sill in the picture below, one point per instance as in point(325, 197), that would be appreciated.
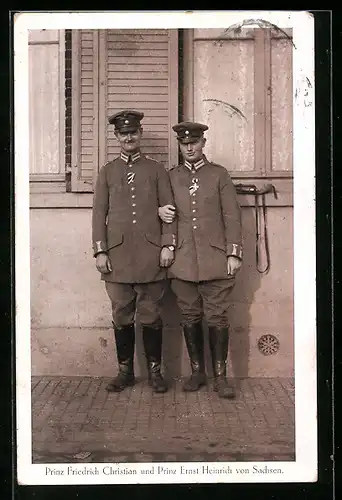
point(61, 199)
point(283, 186)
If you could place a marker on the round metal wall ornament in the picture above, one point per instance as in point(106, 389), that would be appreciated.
point(268, 344)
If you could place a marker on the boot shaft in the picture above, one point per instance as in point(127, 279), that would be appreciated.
point(125, 344)
point(152, 339)
point(218, 342)
point(193, 335)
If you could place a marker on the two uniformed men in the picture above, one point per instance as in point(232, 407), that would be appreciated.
point(201, 246)
point(208, 253)
point(133, 248)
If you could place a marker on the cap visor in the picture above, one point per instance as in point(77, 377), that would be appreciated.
point(128, 129)
point(188, 140)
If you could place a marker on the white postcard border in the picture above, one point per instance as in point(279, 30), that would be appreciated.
point(304, 468)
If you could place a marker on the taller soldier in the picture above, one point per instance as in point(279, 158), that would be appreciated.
point(208, 255)
point(133, 247)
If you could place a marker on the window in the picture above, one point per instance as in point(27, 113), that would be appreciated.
point(78, 78)
point(242, 88)
point(47, 110)
point(240, 84)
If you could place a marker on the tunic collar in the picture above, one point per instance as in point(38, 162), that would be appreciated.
point(130, 158)
point(198, 164)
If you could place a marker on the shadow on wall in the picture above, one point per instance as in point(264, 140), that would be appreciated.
point(247, 283)
point(172, 340)
point(175, 358)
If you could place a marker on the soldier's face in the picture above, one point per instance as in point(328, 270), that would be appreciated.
point(192, 151)
point(129, 141)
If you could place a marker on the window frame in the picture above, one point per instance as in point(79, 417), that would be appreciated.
point(282, 180)
point(54, 182)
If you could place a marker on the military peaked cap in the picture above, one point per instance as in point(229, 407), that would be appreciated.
point(189, 131)
point(127, 120)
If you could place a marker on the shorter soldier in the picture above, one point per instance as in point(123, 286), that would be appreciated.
point(208, 254)
point(133, 248)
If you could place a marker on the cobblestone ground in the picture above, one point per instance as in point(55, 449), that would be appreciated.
point(76, 420)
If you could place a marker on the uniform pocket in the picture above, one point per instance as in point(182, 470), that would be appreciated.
point(153, 238)
point(114, 240)
point(219, 245)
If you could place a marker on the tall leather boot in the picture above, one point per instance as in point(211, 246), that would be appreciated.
point(218, 341)
point(152, 339)
point(193, 335)
point(125, 341)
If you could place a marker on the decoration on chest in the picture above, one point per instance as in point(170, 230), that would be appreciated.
point(130, 177)
point(194, 186)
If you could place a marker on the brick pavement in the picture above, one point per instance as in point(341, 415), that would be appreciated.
point(75, 420)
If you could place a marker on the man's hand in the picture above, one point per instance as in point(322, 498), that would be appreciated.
point(233, 265)
point(103, 264)
point(166, 257)
point(167, 213)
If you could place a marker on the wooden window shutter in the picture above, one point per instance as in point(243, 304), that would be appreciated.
point(139, 70)
point(120, 69)
point(85, 109)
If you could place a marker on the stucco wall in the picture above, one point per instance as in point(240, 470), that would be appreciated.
point(71, 320)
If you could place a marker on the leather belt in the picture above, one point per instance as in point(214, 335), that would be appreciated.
point(260, 212)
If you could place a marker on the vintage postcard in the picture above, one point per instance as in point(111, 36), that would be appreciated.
point(165, 247)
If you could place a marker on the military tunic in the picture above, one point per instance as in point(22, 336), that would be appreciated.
point(209, 221)
point(126, 226)
point(125, 221)
point(209, 231)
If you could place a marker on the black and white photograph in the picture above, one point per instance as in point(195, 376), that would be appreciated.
point(165, 247)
